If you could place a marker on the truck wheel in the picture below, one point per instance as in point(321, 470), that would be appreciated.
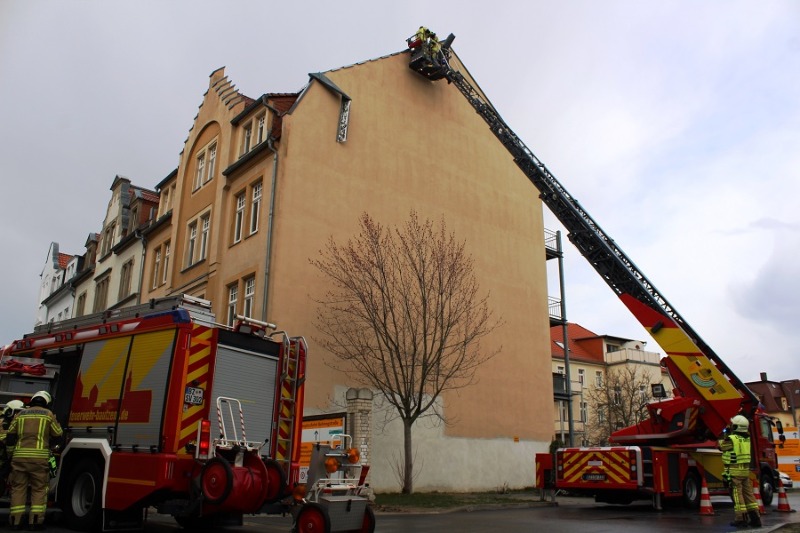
point(312, 518)
point(368, 525)
point(691, 491)
point(767, 488)
point(82, 505)
point(276, 481)
point(216, 480)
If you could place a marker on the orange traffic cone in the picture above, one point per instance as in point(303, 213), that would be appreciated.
point(705, 500)
point(757, 493)
point(783, 501)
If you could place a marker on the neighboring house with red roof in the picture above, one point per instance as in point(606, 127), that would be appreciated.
point(54, 273)
point(781, 399)
point(591, 358)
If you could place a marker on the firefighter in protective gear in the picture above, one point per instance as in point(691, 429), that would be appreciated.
point(735, 448)
point(34, 428)
point(9, 412)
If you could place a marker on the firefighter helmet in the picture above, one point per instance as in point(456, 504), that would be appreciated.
point(13, 406)
point(740, 424)
point(42, 397)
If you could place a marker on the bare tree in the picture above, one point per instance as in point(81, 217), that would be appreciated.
point(403, 316)
point(621, 401)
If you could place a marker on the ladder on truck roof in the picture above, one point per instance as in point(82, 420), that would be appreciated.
point(641, 297)
point(198, 308)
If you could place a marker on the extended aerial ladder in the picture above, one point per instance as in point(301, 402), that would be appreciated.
point(691, 362)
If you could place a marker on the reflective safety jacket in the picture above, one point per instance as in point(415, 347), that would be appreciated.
point(34, 427)
point(736, 454)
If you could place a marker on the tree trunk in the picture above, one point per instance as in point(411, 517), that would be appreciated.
point(408, 465)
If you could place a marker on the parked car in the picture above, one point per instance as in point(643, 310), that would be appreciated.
point(786, 480)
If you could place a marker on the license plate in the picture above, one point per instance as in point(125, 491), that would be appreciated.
point(193, 396)
point(594, 477)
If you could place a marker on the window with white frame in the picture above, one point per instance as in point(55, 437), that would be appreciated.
point(212, 161)
point(206, 163)
point(201, 170)
point(584, 412)
point(560, 369)
point(261, 123)
point(601, 415)
point(156, 267)
point(598, 378)
point(197, 241)
point(238, 221)
point(249, 296)
point(581, 376)
point(166, 263)
point(191, 243)
point(255, 207)
point(233, 297)
point(205, 221)
point(247, 138)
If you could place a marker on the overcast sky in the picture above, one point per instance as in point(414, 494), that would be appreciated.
point(675, 124)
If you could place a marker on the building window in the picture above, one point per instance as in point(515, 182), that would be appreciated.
point(125, 276)
point(233, 296)
point(166, 263)
point(584, 412)
point(212, 161)
point(201, 166)
point(190, 244)
point(156, 266)
point(249, 296)
point(261, 122)
point(255, 207)
point(206, 227)
point(80, 306)
point(611, 348)
point(563, 411)
point(598, 378)
point(601, 416)
point(581, 376)
point(238, 218)
point(108, 239)
point(101, 294)
point(134, 220)
point(560, 369)
point(206, 165)
point(617, 399)
point(247, 139)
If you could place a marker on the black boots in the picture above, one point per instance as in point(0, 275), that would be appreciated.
point(754, 518)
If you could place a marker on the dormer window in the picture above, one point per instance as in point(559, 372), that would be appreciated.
point(254, 132)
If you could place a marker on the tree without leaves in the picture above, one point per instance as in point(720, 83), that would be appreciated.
point(622, 399)
point(404, 316)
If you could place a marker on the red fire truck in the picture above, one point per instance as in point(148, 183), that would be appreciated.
point(164, 408)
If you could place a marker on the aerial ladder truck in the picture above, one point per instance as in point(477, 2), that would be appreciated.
point(669, 454)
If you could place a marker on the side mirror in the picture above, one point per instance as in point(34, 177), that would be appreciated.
point(779, 425)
